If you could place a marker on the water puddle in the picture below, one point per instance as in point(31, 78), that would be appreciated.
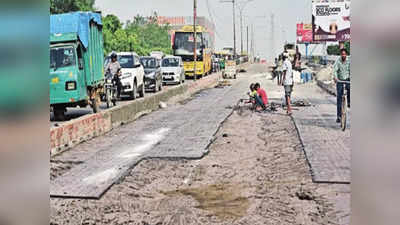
point(222, 200)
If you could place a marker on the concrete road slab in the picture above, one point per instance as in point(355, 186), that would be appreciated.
point(326, 146)
point(180, 131)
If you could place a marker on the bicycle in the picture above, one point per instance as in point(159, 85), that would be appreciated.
point(343, 116)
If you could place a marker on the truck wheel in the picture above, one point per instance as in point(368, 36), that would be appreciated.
point(160, 87)
point(134, 91)
point(108, 97)
point(59, 113)
point(96, 104)
point(234, 76)
point(141, 93)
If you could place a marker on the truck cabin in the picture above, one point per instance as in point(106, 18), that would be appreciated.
point(62, 56)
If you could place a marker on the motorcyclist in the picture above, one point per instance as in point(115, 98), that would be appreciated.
point(114, 68)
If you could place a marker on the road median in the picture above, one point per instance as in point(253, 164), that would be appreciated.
point(326, 87)
point(76, 131)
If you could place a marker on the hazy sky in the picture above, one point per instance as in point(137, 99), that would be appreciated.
point(258, 12)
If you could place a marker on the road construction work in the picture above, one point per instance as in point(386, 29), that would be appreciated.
point(203, 161)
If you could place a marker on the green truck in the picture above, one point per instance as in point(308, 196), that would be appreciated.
point(76, 61)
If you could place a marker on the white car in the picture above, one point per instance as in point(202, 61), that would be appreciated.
point(172, 70)
point(132, 77)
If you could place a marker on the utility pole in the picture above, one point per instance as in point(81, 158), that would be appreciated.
point(234, 26)
point(195, 36)
point(241, 23)
point(234, 30)
point(252, 40)
point(241, 32)
point(272, 37)
point(247, 39)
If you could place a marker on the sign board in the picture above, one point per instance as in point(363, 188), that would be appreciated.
point(304, 33)
point(331, 21)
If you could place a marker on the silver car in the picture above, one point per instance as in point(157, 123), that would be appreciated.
point(172, 70)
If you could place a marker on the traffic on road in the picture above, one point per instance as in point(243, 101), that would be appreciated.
point(163, 120)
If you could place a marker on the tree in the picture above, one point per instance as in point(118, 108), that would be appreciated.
point(111, 23)
point(140, 35)
point(64, 6)
point(334, 49)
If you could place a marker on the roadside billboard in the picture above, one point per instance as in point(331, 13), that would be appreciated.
point(331, 20)
point(304, 33)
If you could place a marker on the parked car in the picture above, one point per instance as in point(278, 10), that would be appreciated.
point(172, 70)
point(152, 70)
point(132, 77)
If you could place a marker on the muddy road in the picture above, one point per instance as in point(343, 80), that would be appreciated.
point(255, 172)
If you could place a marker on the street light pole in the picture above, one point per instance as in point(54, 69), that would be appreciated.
point(195, 37)
point(241, 31)
point(247, 39)
point(252, 41)
point(234, 30)
point(234, 26)
point(241, 24)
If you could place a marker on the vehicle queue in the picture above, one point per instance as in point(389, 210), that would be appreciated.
point(80, 75)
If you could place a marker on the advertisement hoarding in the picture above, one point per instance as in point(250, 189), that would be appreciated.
point(304, 33)
point(331, 21)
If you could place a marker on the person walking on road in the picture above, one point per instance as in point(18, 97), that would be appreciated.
point(341, 72)
point(287, 82)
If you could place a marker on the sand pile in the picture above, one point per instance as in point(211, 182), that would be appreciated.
point(326, 74)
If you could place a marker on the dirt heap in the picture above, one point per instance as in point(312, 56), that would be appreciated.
point(325, 74)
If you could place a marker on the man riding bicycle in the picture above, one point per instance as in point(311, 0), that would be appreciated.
point(341, 73)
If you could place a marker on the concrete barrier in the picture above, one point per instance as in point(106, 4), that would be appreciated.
point(328, 88)
point(84, 128)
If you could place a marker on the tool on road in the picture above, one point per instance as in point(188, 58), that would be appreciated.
point(223, 83)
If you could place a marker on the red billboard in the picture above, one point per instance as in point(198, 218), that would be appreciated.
point(304, 33)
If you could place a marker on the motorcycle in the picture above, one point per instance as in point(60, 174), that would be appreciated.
point(110, 88)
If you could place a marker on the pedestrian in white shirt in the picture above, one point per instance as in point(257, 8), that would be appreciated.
point(287, 81)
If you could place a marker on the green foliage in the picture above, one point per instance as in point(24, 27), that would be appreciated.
point(140, 35)
point(334, 49)
point(111, 23)
point(64, 6)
